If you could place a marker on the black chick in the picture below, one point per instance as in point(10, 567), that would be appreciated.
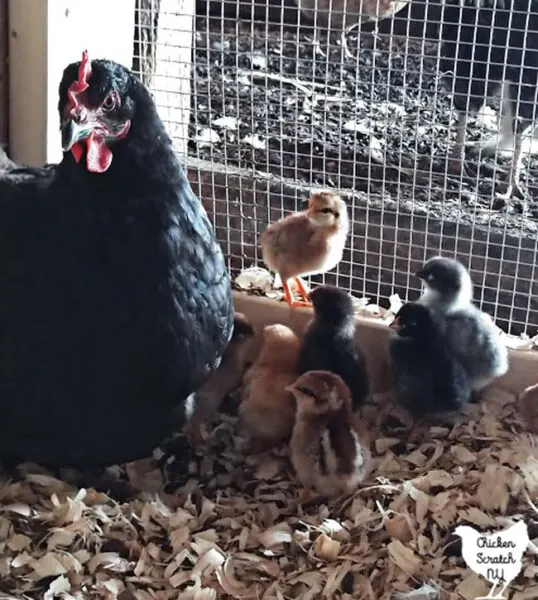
point(488, 44)
point(471, 333)
point(329, 341)
point(116, 303)
point(427, 378)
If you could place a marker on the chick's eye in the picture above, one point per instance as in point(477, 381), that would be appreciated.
point(109, 103)
point(304, 390)
point(327, 211)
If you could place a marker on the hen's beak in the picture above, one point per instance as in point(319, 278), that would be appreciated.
point(74, 132)
point(420, 274)
point(395, 324)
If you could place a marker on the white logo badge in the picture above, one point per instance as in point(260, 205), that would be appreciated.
point(497, 557)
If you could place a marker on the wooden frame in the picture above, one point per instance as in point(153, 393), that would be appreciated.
point(372, 337)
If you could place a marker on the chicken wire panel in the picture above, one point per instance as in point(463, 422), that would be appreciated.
point(279, 106)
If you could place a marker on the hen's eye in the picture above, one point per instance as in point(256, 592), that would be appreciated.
point(304, 390)
point(109, 103)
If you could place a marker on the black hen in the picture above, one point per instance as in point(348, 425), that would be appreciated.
point(427, 378)
point(488, 44)
point(329, 341)
point(116, 303)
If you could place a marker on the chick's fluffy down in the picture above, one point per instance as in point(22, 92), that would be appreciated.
point(329, 447)
point(267, 409)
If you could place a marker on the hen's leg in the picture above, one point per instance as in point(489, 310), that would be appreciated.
point(514, 187)
point(457, 156)
point(345, 32)
point(317, 44)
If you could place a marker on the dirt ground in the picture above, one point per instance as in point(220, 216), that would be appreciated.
point(380, 122)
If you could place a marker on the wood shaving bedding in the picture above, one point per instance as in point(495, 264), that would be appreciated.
point(217, 523)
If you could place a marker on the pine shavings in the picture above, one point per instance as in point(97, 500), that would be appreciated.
point(228, 525)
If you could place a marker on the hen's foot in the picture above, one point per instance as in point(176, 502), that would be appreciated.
point(514, 191)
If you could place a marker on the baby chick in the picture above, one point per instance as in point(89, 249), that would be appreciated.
point(528, 404)
point(204, 403)
point(267, 409)
point(329, 446)
point(471, 334)
point(427, 377)
point(306, 243)
point(329, 341)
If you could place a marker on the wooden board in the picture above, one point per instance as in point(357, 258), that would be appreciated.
point(372, 338)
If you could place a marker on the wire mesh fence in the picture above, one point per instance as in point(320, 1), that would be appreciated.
point(280, 103)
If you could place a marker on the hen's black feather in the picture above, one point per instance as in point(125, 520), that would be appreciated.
point(329, 341)
point(427, 378)
point(486, 43)
point(115, 304)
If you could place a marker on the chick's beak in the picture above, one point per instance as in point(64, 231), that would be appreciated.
point(73, 132)
point(395, 324)
point(420, 274)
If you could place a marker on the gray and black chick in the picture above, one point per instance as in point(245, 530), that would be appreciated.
point(329, 341)
point(471, 334)
point(427, 377)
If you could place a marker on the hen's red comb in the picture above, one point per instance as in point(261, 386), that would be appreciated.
point(77, 87)
point(84, 69)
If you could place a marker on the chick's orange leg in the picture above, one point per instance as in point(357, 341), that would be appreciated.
point(301, 286)
point(287, 292)
point(288, 297)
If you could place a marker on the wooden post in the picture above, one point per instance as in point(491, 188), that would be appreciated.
point(3, 74)
point(44, 37)
point(170, 81)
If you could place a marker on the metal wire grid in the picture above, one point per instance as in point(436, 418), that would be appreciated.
point(271, 119)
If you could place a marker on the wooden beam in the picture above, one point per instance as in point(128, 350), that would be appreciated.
point(4, 73)
point(372, 338)
point(171, 80)
point(44, 38)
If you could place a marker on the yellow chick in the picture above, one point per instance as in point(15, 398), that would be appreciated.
point(306, 243)
point(203, 404)
point(267, 409)
point(329, 445)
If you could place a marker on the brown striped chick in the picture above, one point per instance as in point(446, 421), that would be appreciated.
point(267, 409)
point(528, 406)
point(203, 404)
point(310, 242)
point(329, 445)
